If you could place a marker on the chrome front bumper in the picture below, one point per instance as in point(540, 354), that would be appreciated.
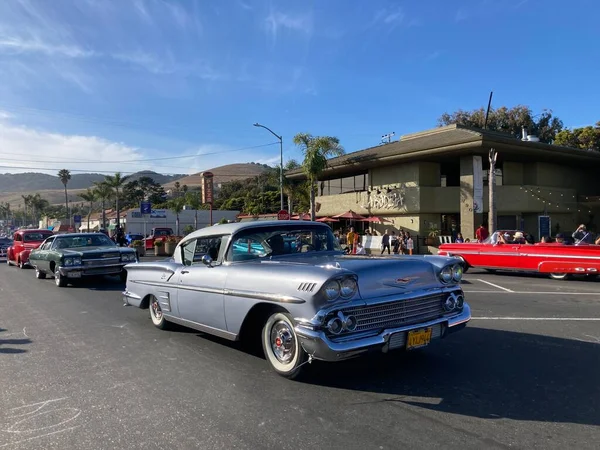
point(110, 269)
point(317, 344)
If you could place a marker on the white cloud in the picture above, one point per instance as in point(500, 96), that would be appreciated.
point(4, 115)
point(25, 149)
point(390, 17)
point(277, 21)
point(15, 45)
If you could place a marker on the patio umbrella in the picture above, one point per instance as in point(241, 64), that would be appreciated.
point(376, 219)
point(301, 217)
point(327, 219)
point(350, 215)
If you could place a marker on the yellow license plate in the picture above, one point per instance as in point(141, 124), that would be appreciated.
point(418, 338)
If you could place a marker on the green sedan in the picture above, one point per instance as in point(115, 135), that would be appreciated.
point(70, 257)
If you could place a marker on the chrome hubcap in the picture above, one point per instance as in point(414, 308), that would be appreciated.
point(156, 311)
point(282, 342)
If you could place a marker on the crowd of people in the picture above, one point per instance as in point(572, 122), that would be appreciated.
point(580, 236)
point(400, 244)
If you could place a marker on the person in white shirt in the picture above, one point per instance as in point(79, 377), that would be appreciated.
point(360, 250)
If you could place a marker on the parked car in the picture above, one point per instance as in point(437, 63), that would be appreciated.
point(304, 301)
point(74, 256)
point(130, 237)
point(5, 243)
point(157, 233)
point(509, 250)
point(24, 241)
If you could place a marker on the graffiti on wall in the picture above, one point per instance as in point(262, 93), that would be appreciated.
point(394, 199)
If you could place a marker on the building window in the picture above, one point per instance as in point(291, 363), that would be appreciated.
point(357, 183)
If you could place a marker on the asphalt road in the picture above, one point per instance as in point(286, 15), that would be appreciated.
point(81, 371)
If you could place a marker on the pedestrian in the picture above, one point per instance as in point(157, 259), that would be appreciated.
point(395, 242)
point(482, 233)
point(409, 243)
point(350, 240)
point(385, 242)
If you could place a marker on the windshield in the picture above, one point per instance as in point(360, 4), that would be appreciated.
point(35, 237)
point(257, 243)
point(507, 237)
point(85, 240)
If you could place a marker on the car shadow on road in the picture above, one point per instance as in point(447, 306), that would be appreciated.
point(482, 373)
point(108, 284)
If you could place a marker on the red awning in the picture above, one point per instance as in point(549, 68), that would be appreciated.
point(376, 219)
point(327, 219)
point(300, 217)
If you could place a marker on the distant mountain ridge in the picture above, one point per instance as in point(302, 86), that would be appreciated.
point(35, 181)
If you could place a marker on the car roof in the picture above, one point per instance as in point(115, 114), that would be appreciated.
point(33, 231)
point(231, 228)
point(79, 234)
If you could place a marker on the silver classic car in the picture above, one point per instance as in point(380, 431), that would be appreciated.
point(289, 284)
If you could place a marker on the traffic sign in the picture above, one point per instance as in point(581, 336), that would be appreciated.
point(146, 208)
point(283, 215)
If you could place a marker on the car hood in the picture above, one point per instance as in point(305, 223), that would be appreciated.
point(377, 276)
point(95, 252)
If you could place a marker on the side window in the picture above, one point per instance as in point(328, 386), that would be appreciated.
point(47, 244)
point(194, 250)
point(18, 238)
point(243, 249)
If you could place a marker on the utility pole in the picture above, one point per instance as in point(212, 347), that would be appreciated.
point(492, 190)
point(280, 161)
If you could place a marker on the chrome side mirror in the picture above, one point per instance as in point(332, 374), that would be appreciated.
point(207, 260)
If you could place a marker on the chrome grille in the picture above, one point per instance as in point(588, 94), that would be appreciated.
point(102, 271)
point(397, 313)
point(100, 262)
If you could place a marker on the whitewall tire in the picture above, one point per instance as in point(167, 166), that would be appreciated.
point(282, 348)
point(559, 276)
point(156, 314)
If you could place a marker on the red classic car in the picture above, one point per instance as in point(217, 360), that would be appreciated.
point(509, 250)
point(23, 242)
point(157, 233)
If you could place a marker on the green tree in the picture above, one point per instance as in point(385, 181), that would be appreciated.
point(192, 198)
point(144, 188)
point(65, 176)
point(317, 150)
point(508, 120)
point(290, 187)
point(104, 193)
point(38, 206)
point(116, 182)
point(176, 205)
point(586, 138)
point(89, 196)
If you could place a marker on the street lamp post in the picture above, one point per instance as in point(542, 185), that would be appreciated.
point(280, 160)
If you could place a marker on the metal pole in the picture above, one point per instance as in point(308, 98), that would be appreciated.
point(492, 191)
point(281, 171)
point(487, 114)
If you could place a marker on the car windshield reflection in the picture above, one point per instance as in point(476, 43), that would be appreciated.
point(90, 240)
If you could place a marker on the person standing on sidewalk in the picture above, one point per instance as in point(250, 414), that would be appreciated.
point(385, 242)
point(350, 240)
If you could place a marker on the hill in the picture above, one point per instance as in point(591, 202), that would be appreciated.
point(222, 174)
point(37, 182)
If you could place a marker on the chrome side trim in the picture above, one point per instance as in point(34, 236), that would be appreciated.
point(277, 298)
point(516, 253)
point(203, 328)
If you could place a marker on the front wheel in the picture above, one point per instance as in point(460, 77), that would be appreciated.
point(559, 276)
point(59, 280)
point(281, 346)
point(21, 264)
point(156, 314)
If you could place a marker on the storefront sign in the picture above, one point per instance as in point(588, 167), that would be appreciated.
point(477, 184)
point(392, 199)
point(154, 214)
point(544, 226)
point(207, 187)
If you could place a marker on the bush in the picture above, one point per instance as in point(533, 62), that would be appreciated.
point(188, 229)
point(158, 243)
point(137, 243)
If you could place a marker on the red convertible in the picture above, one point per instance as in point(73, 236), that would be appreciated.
point(509, 250)
point(23, 242)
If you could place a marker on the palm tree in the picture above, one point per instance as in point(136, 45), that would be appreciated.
point(89, 196)
point(316, 149)
point(176, 205)
point(288, 185)
point(65, 176)
point(193, 199)
point(104, 193)
point(116, 182)
point(37, 205)
point(26, 203)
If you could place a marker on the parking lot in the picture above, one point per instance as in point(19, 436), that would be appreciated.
point(80, 370)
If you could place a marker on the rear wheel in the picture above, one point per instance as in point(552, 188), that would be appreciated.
point(282, 348)
point(156, 314)
point(559, 276)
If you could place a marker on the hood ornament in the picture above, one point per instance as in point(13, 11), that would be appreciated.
point(401, 282)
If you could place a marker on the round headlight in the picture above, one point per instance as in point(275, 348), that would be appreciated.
point(332, 290)
point(68, 261)
point(335, 325)
point(457, 272)
point(446, 275)
point(348, 287)
point(76, 261)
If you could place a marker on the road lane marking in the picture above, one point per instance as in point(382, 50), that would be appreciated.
point(577, 319)
point(495, 285)
point(533, 292)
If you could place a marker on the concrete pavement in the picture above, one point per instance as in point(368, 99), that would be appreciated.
point(79, 370)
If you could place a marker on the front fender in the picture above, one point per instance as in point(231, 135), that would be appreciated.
point(24, 255)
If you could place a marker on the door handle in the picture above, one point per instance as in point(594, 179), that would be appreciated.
point(185, 271)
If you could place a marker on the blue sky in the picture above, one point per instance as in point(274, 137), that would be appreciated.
point(85, 84)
